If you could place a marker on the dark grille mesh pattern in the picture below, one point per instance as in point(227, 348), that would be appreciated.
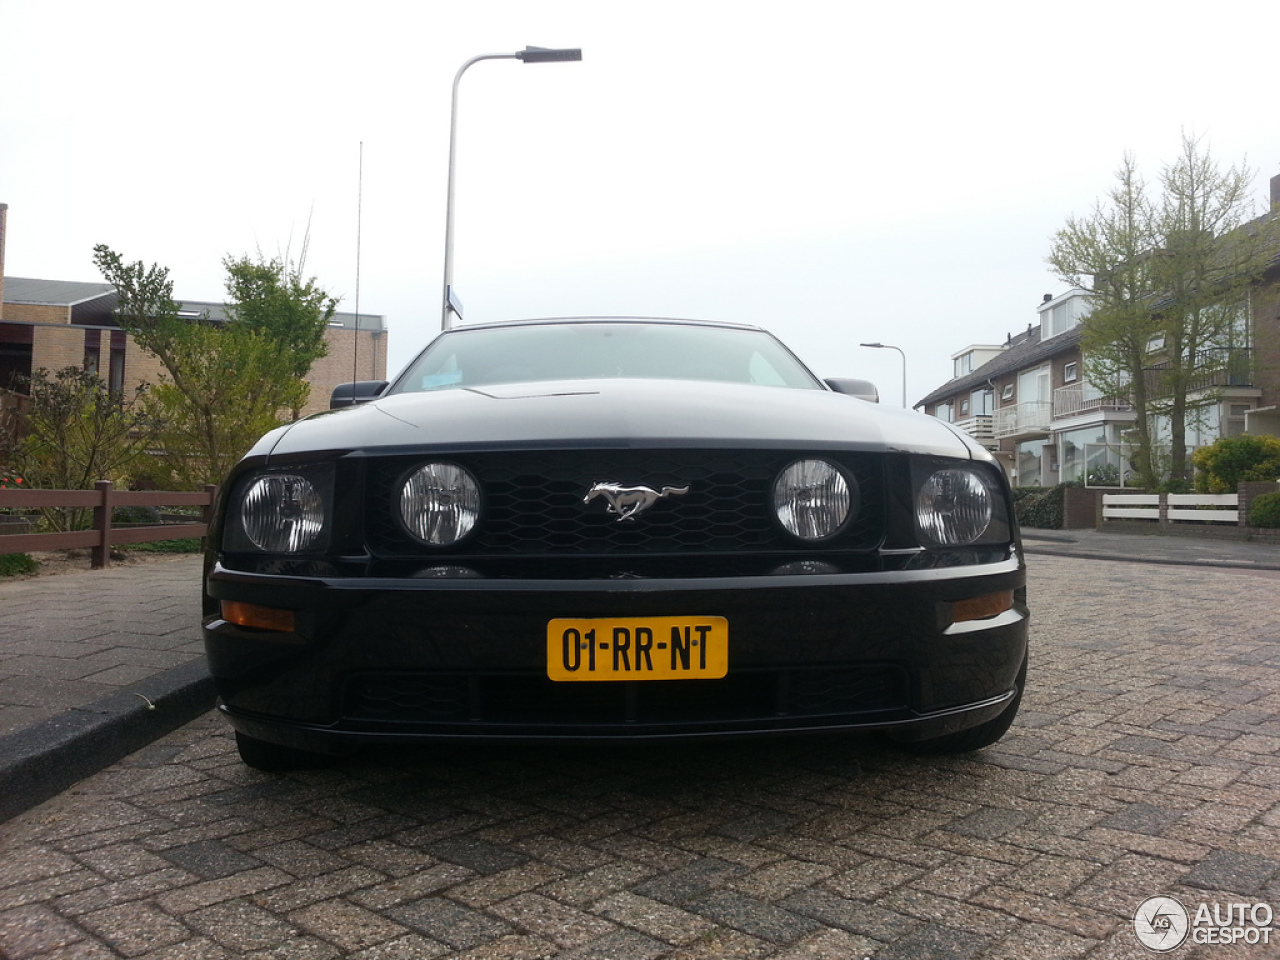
point(534, 503)
point(743, 696)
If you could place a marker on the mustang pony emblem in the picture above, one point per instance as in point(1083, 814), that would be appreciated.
point(628, 502)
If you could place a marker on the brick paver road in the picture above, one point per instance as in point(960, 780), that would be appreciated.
point(1145, 762)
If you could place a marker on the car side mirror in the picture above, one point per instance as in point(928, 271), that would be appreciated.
point(349, 394)
point(862, 389)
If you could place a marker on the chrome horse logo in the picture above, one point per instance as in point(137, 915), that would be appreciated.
point(629, 502)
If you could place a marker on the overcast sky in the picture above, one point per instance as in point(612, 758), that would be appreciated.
point(833, 172)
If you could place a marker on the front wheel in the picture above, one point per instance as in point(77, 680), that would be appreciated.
point(975, 738)
point(273, 757)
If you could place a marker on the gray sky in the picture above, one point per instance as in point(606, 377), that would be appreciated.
point(835, 173)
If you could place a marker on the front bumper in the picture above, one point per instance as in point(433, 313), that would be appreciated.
point(401, 660)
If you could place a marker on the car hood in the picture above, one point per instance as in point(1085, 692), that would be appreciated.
point(637, 413)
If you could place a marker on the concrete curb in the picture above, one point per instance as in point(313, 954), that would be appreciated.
point(1154, 561)
point(42, 760)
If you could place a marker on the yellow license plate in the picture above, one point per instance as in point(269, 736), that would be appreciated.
point(641, 648)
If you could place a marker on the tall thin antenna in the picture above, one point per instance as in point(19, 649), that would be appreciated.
point(355, 352)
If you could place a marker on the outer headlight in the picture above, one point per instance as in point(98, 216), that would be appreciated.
point(954, 507)
point(813, 499)
point(439, 503)
point(280, 513)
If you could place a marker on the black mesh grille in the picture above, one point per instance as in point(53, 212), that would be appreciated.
point(744, 697)
point(534, 503)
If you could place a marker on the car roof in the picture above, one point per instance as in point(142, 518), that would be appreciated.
point(677, 321)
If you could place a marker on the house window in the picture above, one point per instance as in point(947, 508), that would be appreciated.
point(983, 402)
point(964, 408)
point(1030, 462)
point(1071, 372)
point(1235, 420)
point(1007, 393)
point(963, 364)
point(945, 411)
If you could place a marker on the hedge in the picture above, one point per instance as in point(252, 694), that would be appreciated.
point(1039, 507)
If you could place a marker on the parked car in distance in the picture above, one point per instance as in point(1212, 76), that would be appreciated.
point(612, 528)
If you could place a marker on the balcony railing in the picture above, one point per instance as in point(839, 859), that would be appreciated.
point(979, 427)
point(1030, 418)
point(1070, 401)
point(1215, 368)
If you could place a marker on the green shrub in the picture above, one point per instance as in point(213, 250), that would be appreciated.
point(1227, 461)
point(190, 545)
point(148, 516)
point(1039, 507)
point(1265, 511)
point(14, 564)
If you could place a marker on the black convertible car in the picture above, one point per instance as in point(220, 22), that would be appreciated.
point(612, 528)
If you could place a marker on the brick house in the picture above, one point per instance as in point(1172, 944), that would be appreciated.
point(58, 323)
point(1029, 402)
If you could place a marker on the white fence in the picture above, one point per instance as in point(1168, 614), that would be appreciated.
point(1203, 507)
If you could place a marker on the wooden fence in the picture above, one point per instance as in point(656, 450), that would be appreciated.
point(102, 536)
point(1167, 507)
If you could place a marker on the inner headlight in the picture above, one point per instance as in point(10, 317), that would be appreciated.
point(282, 513)
point(953, 507)
point(813, 499)
point(440, 503)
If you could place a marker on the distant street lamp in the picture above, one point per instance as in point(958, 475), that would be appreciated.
point(528, 55)
point(889, 346)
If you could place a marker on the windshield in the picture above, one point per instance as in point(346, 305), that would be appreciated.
point(591, 350)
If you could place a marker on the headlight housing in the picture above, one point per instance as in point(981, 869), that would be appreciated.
point(439, 503)
point(814, 499)
point(954, 506)
point(285, 511)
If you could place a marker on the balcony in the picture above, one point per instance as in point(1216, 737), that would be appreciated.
point(1215, 369)
point(1023, 420)
point(980, 428)
point(1071, 401)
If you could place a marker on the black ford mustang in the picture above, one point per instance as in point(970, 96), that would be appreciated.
point(604, 528)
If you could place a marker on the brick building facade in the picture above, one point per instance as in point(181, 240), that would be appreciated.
point(53, 324)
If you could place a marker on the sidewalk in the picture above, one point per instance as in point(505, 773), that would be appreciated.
point(93, 666)
point(97, 664)
point(1152, 548)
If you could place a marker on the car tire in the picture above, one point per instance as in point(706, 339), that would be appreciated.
point(975, 738)
point(272, 757)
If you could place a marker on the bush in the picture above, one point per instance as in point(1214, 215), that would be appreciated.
point(15, 564)
point(1227, 461)
point(1039, 507)
point(188, 545)
point(1265, 511)
point(144, 516)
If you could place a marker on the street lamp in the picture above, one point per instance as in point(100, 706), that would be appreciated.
point(527, 55)
point(889, 346)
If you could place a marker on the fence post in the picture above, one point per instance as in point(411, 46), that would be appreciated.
point(207, 513)
point(101, 554)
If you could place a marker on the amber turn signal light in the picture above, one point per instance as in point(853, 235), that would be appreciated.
point(980, 608)
point(252, 615)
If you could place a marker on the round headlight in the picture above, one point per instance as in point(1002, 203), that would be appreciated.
point(440, 503)
point(282, 513)
point(813, 499)
point(953, 507)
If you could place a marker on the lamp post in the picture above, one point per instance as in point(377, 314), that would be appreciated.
point(889, 346)
point(527, 55)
